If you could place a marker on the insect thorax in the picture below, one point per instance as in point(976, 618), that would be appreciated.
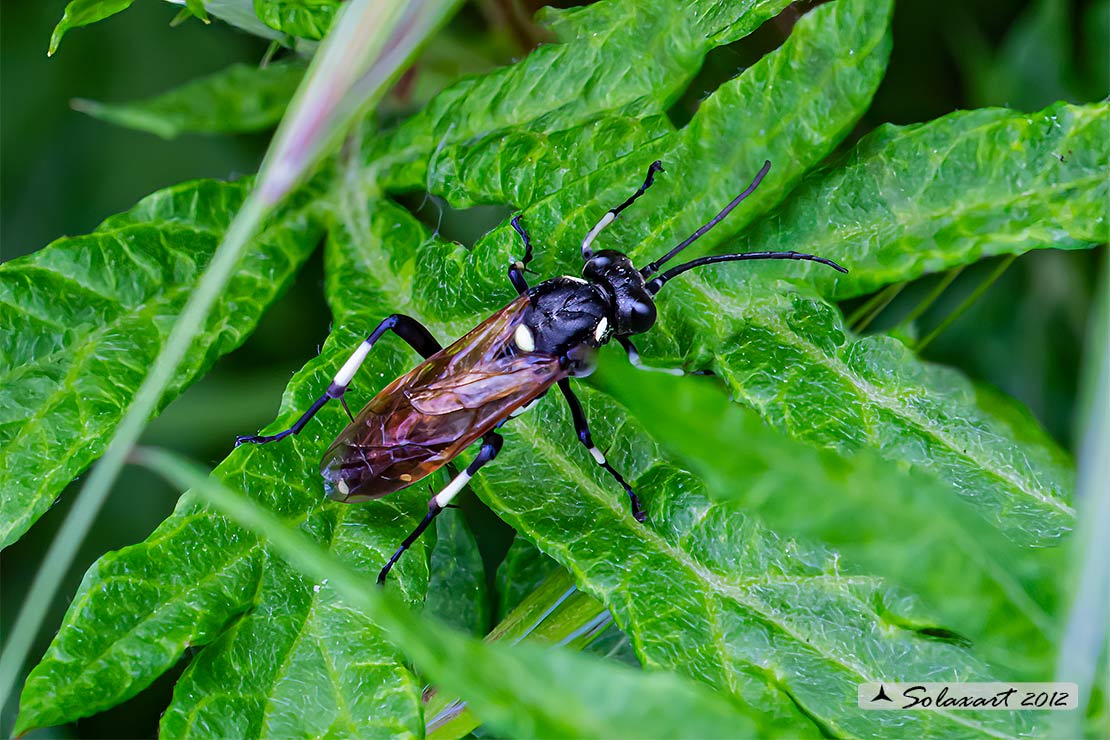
point(566, 313)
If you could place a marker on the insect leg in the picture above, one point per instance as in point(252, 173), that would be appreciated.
point(611, 216)
point(517, 268)
point(634, 359)
point(491, 445)
point(583, 428)
point(407, 328)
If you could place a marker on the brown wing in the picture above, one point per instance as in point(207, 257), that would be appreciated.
point(426, 417)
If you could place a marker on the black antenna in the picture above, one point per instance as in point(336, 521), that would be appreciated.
point(611, 215)
point(652, 268)
point(653, 286)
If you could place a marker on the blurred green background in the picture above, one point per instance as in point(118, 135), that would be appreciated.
point(64, 172)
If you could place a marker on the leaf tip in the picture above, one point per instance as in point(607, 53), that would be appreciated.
point(55, 39)
point(84, 105)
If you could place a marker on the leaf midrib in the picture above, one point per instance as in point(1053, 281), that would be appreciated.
point(907, 219)
point(865, 390)
point(723, 588)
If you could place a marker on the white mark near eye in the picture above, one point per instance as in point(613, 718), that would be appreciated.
point(343, 487)
point(524, 339)
point(602, 327)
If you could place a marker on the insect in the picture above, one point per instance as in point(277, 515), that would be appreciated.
point(548, 334)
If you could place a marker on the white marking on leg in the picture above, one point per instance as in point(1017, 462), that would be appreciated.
point(598, 457)
point(524, 339)
point(527, 407)
point(343, 487)
point(607, 219)
point(351, 366)
point(452, 489)
point(634, 360)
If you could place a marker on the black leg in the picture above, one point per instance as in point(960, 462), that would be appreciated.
point(611, 216)
point(519, 267)
point(491, 445)
point(583, 428)
point(406, 327)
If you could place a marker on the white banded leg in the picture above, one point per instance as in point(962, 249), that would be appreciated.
point(636, 362)
point(491, 445)
point(611, 216)
point(583, 428)
point(407, 328)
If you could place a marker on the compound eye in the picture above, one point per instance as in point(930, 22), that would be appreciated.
point(641, 316)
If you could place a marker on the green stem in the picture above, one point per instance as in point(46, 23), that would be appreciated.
point(555, 613)
point(1084, 636)
point(865, 314)
point(930, 299)
point(968, 302)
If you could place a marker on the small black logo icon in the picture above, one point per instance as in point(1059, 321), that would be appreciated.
point(881, 695)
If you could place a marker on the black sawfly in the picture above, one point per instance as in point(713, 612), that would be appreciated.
point(462, 393)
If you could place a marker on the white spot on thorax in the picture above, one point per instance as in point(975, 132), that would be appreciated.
point(602, 327)
point(524, 339)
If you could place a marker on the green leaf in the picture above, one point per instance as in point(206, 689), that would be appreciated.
point(138, 609)
point(238, 99)
point(606, 553)
point(457, 592)
point(781, 351)
point(196, 7)
point(704, 590)
point(297, 635)
point(306, 19)
point(789, 356)
point(554, 693)
point(82, 13)
point(910, 200)
point(86, 315)
point(620, 58)
point(881, 518)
